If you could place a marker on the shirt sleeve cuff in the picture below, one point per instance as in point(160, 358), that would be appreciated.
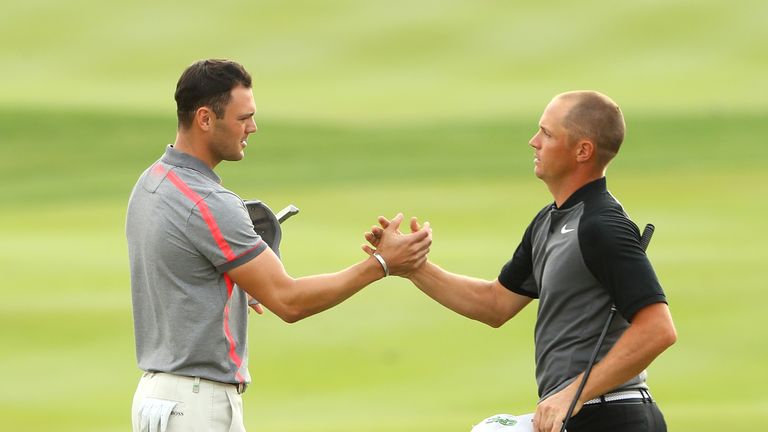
point(243, 258)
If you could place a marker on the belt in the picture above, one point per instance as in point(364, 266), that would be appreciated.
point(240, 387)
point(625, 396)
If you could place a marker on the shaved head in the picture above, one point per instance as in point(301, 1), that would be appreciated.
point(595, 117)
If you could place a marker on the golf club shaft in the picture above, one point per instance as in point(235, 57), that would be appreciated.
point(645, 240)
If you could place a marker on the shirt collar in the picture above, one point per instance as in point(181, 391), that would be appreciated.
point(581, 194)
point(186, 160)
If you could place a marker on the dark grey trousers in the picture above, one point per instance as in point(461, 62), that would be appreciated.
point(635, 416)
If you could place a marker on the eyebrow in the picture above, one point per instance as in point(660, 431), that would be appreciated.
point(246, 115)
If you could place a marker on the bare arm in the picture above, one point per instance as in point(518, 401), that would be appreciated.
point(293, 299)
point(485, 301)
point(651, 332)
point(265, 278)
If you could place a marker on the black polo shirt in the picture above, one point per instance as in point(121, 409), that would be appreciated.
point(578, 260)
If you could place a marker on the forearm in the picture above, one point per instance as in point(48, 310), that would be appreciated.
point(650, 334)
point(309, 295)
point(474, 298)
point(293, 299)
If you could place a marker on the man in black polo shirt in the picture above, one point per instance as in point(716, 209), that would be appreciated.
point(579, 255)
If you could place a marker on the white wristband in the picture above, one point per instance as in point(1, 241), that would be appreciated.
point(383, 263)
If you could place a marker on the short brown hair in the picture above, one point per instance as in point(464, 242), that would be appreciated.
point(207, 83)
point(596, 117)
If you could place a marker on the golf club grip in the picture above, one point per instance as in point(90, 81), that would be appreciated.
point(286, 213)
point(645, 239)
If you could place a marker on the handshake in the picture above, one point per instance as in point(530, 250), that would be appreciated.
point(398, 253)
point(266, 281)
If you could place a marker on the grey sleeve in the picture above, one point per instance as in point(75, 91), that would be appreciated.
point(221, 230)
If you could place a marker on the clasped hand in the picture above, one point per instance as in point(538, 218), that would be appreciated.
point(403, 253)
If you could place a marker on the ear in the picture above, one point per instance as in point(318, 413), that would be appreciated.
point(204, 118)
point(585, 151)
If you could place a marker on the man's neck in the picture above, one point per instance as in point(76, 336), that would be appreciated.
point(563, 190)
point(192, 146)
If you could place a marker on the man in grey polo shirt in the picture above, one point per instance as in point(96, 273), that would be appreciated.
point(195, 259)
point(579, 255)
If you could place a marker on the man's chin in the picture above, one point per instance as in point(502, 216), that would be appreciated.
point(235, 157)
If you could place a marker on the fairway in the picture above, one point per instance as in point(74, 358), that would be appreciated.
point(366, 110)
point(389, 349)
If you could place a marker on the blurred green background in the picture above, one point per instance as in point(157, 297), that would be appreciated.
point(369, 108)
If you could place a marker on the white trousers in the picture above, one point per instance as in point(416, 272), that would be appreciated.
point(173, 403)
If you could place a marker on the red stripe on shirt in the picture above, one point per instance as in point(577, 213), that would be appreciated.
point(232, 352)
point(206, 213)
point(213, 227)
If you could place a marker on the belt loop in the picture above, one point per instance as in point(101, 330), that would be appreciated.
point(196, 385)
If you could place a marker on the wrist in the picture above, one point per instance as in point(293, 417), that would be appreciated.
point(380, 259)
point(420, 273)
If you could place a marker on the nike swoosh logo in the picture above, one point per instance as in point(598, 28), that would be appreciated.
point(563, 230)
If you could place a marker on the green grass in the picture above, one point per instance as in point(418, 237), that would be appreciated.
point(369, 108)
point(388, 358)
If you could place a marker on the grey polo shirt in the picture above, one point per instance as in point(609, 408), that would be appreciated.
point(185, 231)
point(578, 260)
